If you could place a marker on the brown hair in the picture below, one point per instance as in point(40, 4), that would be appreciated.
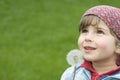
point(88, 20)
point(94, 21)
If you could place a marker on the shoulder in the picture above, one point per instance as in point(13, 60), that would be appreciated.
point(112, 77)
point(69, 73)
point(117, 75)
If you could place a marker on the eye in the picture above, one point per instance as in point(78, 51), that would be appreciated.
point(100, 32)
point(84, 31)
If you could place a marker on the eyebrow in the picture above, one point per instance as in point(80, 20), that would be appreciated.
point(103, 29)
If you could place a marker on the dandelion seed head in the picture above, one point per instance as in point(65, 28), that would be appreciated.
point(75, 57)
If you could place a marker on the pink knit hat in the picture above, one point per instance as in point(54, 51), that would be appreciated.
point(110, 15)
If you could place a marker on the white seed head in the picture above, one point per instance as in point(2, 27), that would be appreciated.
point(74, 57)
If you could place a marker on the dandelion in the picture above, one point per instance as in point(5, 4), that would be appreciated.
point(74, 58)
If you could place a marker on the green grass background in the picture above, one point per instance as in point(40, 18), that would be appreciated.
point(36, 35)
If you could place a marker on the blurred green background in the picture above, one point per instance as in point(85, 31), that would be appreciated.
point(36, 35)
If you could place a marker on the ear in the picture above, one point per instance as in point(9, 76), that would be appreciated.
point(117, 50)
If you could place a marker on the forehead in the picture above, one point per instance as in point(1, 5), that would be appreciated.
point(103, 25)
point(91, 20)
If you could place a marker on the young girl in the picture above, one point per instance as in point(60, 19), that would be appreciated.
point(99, 41)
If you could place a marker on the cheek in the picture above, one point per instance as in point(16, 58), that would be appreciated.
point(80, 41)
point(101, 44)
point(108, 46)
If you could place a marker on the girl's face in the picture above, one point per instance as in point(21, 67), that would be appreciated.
point(97, 43)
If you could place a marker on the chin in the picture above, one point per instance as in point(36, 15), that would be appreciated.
point(89, 59)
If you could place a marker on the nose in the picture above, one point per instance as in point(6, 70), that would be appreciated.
point(89, 37)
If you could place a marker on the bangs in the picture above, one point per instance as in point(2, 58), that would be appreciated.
point(92, 20)
point(89, 20)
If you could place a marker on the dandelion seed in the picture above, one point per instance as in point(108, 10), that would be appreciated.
point(75, 57)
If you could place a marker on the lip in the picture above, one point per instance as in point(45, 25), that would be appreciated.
point(89, 49)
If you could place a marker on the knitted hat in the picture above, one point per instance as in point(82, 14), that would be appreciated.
point(110, 15)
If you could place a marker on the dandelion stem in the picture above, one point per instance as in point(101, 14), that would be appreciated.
point(74, 72)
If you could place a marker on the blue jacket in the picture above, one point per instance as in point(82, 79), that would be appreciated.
point(84, 74)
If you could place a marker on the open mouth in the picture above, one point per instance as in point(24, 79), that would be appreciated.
point(89, 48)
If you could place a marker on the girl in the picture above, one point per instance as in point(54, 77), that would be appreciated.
point(99, 41)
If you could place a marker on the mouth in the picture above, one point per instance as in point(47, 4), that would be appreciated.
point(89, 49)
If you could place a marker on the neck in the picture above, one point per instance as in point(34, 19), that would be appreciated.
point(103, 67)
